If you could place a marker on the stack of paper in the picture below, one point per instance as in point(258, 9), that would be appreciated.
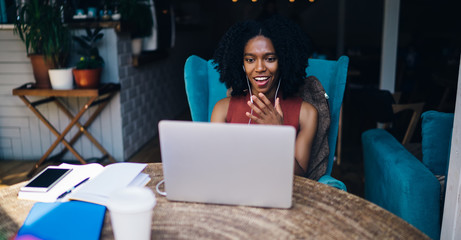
point(114, 177)
point(102, 182)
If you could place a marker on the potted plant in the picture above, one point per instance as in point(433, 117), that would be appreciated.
point(137, 18)
point(36, 25)
point(57, 50)
point(88, 70)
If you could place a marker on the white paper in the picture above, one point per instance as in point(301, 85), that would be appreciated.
point(103, 181)
point(114, 177)
point(141, 180)
point(78, 174)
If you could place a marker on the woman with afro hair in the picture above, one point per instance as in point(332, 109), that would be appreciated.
point(263, 64)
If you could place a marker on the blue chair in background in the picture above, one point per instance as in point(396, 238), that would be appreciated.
point(204, 89)
point(332, 75)
point(402, 184)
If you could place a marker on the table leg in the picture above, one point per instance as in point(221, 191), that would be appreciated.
point(60, 137)
point(83, 127)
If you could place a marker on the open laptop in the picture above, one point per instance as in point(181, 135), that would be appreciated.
point(234, 164)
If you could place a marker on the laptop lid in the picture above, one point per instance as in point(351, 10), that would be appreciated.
point(234, 164)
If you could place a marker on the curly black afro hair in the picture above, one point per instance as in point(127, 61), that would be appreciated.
point(291, 44)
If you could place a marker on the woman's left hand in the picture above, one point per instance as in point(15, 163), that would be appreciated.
point(264, 112)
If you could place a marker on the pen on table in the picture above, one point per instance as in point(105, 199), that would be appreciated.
point(74, 187)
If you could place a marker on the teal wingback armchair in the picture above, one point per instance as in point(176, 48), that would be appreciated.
point(204, 89)
point(333, 76)
point(399, 182)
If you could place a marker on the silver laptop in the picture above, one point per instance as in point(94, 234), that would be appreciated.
point(232, 164)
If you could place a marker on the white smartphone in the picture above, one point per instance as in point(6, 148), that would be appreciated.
point(46, 179)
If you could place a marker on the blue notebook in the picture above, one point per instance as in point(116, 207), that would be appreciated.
point(64, 220)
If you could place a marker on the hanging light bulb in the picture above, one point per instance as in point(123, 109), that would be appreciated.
point(254, 0)
point(311, 0)
point(291, 0)
point(234, 0)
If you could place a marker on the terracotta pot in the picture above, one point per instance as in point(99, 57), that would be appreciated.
point(40, 70)
point(87, 78)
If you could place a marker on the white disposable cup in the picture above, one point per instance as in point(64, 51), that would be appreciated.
point(131, 213)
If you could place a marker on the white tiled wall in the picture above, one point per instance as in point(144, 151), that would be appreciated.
point(148, 94)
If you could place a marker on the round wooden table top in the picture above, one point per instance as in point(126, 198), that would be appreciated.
point(318, 212)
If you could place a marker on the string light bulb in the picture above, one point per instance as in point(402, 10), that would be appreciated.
point(292, 1)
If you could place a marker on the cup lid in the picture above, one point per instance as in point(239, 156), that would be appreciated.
point(131, 200)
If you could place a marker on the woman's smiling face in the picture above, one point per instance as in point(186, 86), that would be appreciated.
point(261, 66)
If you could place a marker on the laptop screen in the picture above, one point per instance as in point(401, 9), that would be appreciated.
point(223, 163)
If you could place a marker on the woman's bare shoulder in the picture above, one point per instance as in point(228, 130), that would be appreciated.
point(219, 113)
point(308, 112)
point(223, 103)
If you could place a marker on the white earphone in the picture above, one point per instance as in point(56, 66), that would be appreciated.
point(249, 88)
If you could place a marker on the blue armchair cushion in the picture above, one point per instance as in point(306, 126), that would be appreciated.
point(218, 89)
point(436, 129)
point(202, 88)
point(399, 182)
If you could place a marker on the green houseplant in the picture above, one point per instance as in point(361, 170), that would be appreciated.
point(47, 40)
point(57, 49)
point(138, 20)
point(88, 70)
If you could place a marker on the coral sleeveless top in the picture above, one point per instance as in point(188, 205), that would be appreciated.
point(291, 108)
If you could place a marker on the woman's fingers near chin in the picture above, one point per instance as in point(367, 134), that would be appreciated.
point(264, 99)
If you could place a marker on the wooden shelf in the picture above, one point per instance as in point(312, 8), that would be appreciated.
point(30, 90)
point(137, 60)
point(6, 26)
point(94, 24)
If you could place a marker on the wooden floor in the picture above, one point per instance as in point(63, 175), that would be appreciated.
point(12, 172)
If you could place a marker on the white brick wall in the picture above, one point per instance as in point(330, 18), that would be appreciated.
point(149, 93)
point(22, 135)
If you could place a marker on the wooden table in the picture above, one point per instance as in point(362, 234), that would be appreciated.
point(97, 97)
point(318, 212)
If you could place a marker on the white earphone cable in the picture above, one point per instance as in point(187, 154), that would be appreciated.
point(251, 99)
point(157, 188)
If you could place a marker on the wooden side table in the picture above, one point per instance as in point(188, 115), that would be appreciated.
point(98, 97)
